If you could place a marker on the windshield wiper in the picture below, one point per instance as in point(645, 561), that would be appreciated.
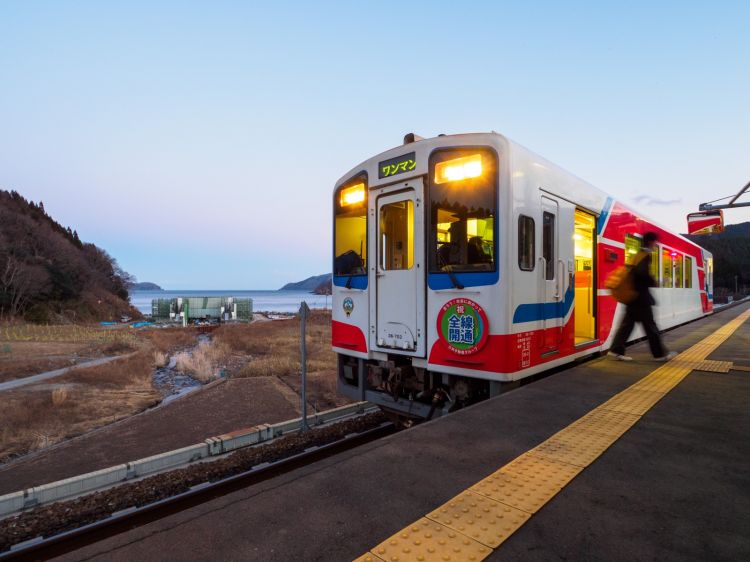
point(449, 270)
point(452, 277)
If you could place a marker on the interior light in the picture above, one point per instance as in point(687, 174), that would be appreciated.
point(577, 237)
point(353, 195)
point(459, 169)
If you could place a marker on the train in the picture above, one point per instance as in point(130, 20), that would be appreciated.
point(465, 264)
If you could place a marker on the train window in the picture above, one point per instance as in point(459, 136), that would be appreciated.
point(463, 210)
point(350, 229)
point(688, 272)
point(526, 243)
point(655, 264)
point(677, 258)
point(632, 247)
point(548, 244)
point(666, 268)
point(397, 235)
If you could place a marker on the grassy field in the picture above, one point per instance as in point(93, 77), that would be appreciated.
point(39, 415)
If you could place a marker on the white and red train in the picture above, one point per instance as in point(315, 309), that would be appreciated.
point(464, 263)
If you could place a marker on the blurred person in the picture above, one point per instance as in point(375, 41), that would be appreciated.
point(640, 309)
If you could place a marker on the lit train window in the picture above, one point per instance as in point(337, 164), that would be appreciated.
point(397, 235)
point(632, 247)
point(350, 228)
point(655, 264)
point(548, 244)
point(666, 268)
point(688, 272)
point(526, 243)
point(677, 270)
point(463, 211)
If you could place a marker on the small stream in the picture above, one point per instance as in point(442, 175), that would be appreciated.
point(173, 384)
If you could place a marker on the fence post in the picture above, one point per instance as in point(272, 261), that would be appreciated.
point(304, 310)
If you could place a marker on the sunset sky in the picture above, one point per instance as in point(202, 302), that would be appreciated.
point(198, 142)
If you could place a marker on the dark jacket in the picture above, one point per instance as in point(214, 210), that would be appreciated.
point(642, 279)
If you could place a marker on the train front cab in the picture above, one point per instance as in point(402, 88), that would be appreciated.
point(407, 254)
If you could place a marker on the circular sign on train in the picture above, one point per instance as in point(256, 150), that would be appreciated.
point(463, 326)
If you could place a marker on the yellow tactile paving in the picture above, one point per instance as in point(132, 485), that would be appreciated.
point(607, 422)
point(663, 382)
point(578, 447)
point(714, 366)
point(477, 516)
point(461, 529)
point(527, 483)
point(426, 540)
point(633, 401)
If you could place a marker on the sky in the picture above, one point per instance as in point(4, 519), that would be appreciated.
point(199, 142)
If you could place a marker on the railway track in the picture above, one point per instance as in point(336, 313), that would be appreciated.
point(128, 519)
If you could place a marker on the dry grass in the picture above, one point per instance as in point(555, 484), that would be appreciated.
point(76, 333)
point(169, 340)
point(274, 347)
point(204, 362)
point(38, 415)
point(161, 359)
point(22, 359)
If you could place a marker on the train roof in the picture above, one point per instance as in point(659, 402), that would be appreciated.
point(426, 145)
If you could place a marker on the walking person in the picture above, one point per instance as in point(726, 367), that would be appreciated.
point(640, 309)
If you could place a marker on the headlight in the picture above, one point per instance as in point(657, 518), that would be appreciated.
point(459, 169)
point(353, 195)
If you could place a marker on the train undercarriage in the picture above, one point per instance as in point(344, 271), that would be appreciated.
point(409, 393)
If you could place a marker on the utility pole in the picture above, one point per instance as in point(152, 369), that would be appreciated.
point(304, 311)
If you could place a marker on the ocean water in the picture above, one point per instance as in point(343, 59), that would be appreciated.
point(263, 301)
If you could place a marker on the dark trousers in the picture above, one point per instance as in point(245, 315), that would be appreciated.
point(643, 314)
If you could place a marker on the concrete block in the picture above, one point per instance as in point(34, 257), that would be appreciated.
point(10, 503)
point(214, 446)
point(241, 438)
point(167, 460)
point(83, 483)
point(285, 427)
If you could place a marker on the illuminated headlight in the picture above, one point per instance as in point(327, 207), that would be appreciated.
point(459, 169)
point(353, 195)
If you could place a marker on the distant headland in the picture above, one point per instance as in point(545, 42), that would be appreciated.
point(144, 286)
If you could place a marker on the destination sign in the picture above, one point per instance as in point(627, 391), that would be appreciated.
point(398, 165)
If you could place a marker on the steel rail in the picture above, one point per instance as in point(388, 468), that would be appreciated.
point(129, 519)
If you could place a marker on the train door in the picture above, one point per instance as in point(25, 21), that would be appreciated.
point(550, 275)
point(400, 292)
point(584, 303)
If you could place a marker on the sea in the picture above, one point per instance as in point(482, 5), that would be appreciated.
point(263, 301)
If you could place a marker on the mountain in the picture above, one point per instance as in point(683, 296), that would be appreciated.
point(144, 286)
point(731, 251)
point(309, 284)
point(47, 274)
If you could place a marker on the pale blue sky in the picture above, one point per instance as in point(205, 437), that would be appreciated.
point(199, 142)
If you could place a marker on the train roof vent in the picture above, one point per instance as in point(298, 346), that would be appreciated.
point(412, 137)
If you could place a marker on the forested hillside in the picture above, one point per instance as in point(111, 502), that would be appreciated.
point(47, 274)
point(731, 251)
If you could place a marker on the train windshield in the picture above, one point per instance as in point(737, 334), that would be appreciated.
point(463, 195)
point(350, 228)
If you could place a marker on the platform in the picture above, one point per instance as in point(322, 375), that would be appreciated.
point(673, 485)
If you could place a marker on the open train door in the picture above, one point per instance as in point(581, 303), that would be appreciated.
point(706, 222)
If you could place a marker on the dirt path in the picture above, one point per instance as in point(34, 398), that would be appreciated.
point(232, 405)
point(15, 383)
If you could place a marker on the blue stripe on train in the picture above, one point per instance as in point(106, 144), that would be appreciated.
point(603, 217)
point(357, 282)
point(438, 281)
point(544, 311)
